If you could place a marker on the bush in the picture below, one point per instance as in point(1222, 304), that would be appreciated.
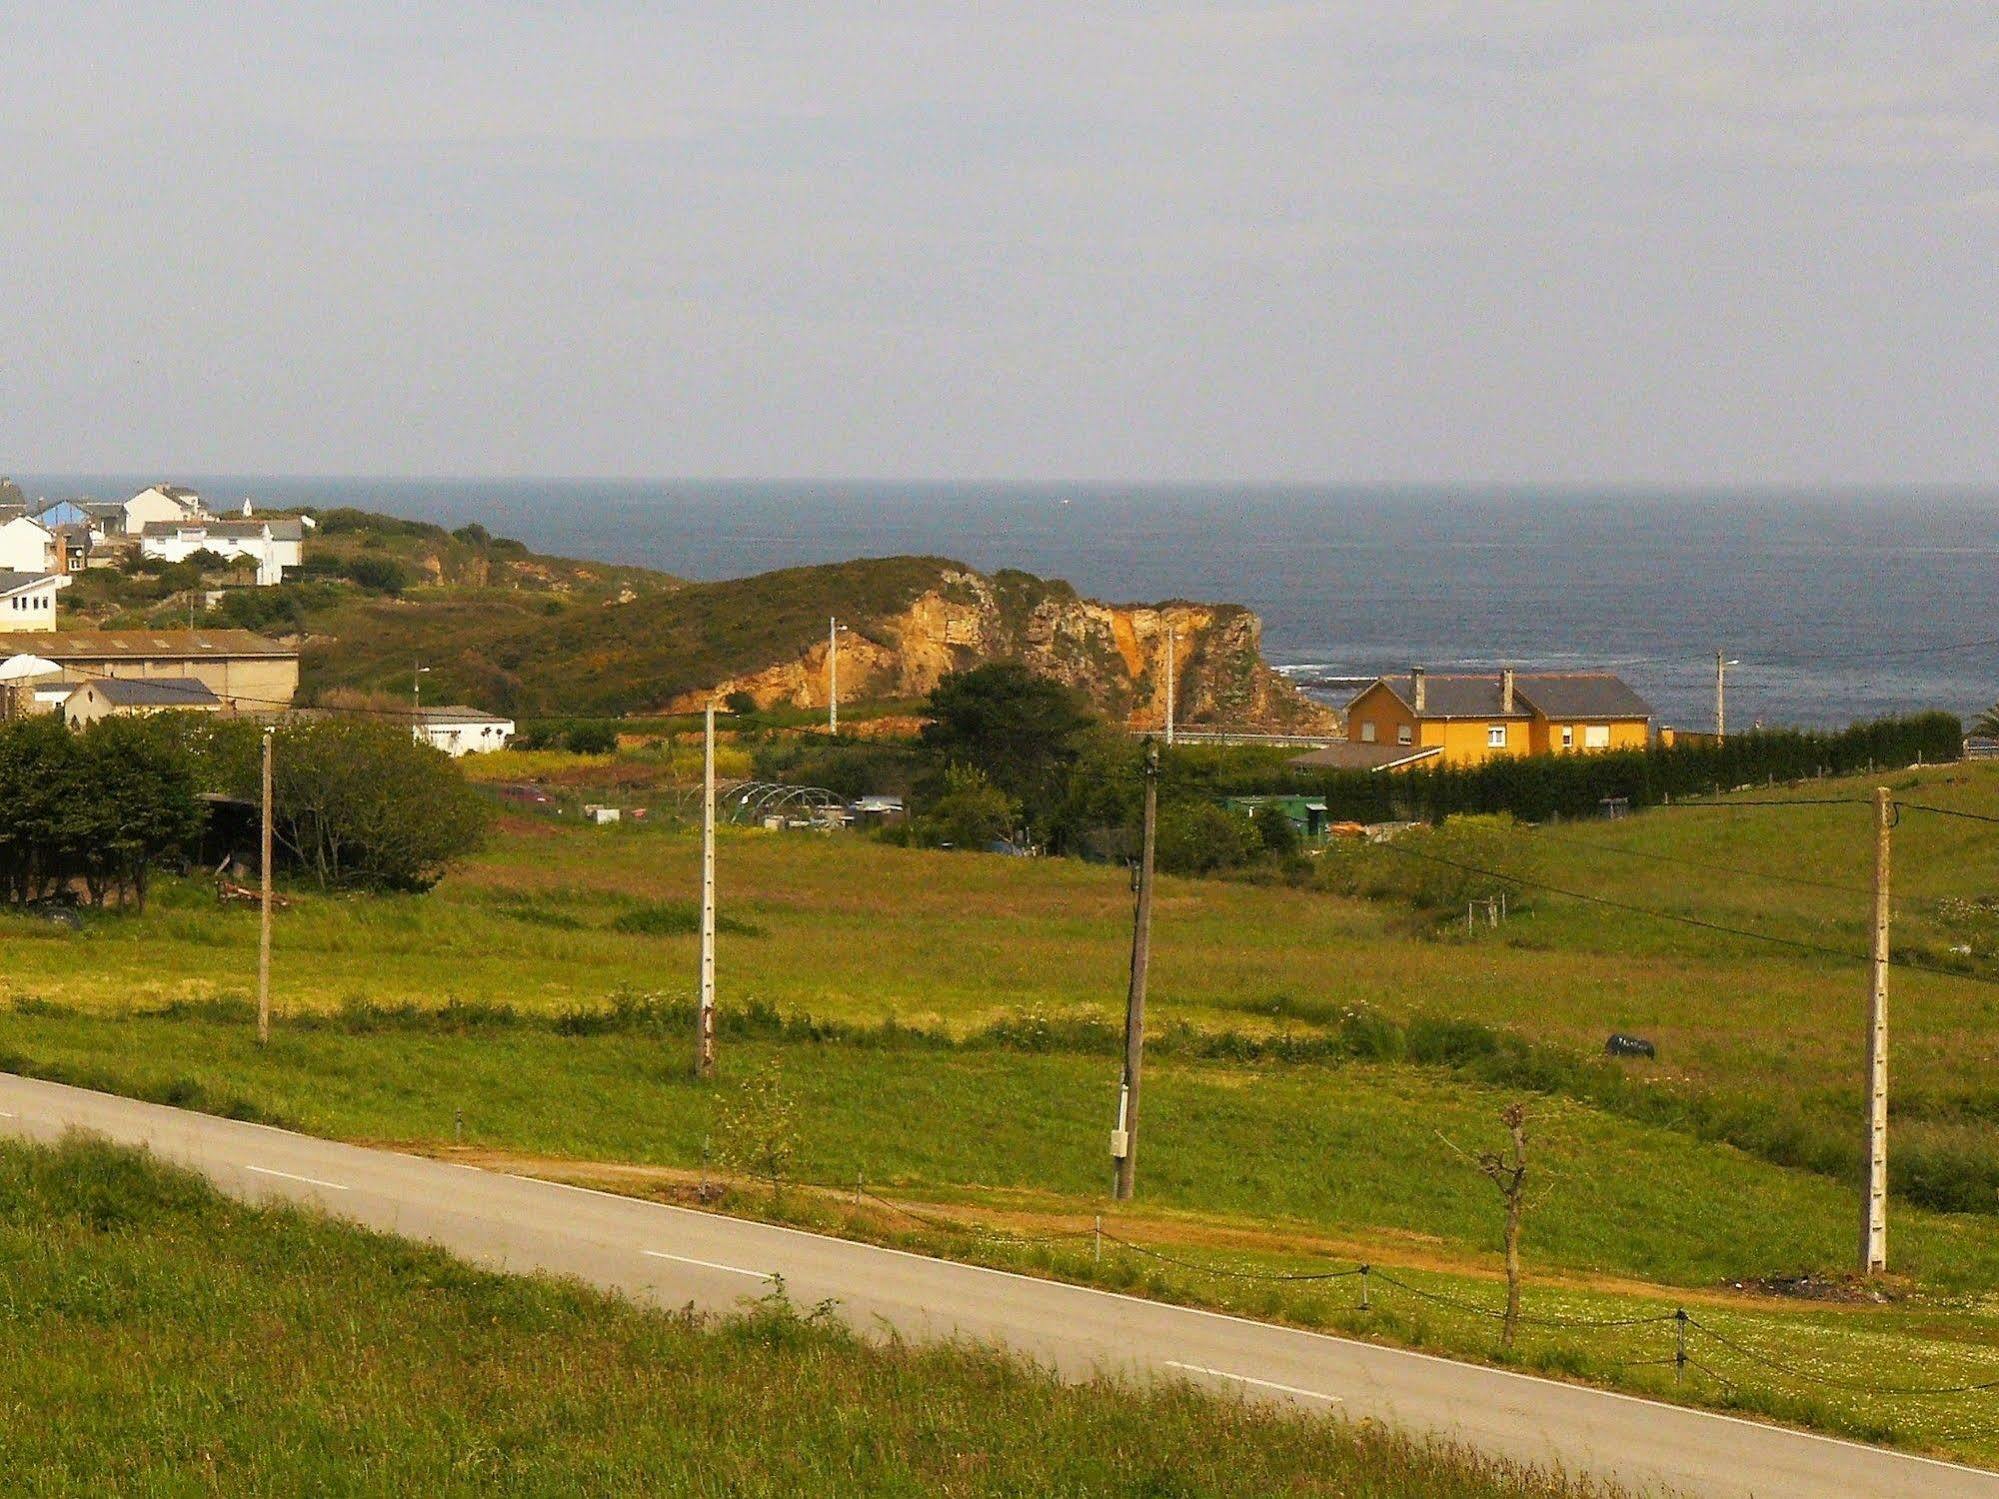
point(378, 574)
point(1200, 837)
point(591, 739)
point(972, 812)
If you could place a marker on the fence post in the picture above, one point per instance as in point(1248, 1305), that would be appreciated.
point(1679, 1343)
point(1364, 1303)
point(1099, 1239)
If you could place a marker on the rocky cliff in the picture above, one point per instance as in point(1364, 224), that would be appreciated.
point(1116, 655)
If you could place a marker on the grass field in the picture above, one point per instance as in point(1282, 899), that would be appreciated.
point(963, 1054)
point(165, 1341)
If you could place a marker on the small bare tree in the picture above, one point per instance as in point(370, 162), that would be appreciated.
point(757, 1130)
point(1508, 1172)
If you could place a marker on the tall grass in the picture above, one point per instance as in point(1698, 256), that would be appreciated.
point(163, 1340)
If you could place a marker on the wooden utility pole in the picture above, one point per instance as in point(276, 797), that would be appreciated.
point(1124, 1140)
point(704, 1046)
point(1874, 1197)
point(264, 932)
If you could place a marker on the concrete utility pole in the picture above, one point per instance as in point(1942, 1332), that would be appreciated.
point(417, 669)
point(1722, 662)
point(1170, 674)
point(704, 1046)
point(1124, 1139)
point(833, 675)
point(1874, 1199)
point(264, 932)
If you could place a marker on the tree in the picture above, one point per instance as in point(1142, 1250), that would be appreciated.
point(1021, 730)
point(101, 807)
point(1276, 834)
point(591, 739)
point(1987, 724)
point(361, 803)
point(1199, 837)
point(1508, 1172)
point(972, 812)
point(757, 1131)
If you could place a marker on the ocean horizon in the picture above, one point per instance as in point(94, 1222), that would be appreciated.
point(1838, 603)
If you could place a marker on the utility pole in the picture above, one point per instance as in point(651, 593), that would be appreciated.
point(1170, 673)
point(417, 669)
point(1124, 1140)
point(1722, 662)
point(1874, 1199)
point(833, 675)
point(264, 932)
point(704, 1047)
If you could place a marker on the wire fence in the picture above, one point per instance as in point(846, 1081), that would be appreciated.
point(1697, 1345)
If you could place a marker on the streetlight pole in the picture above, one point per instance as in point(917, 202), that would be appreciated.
point(1722, 662)
point(264, 926)
point(704, 1044)
point(833, 675)
point(1171, 672)
point(1124, 1140)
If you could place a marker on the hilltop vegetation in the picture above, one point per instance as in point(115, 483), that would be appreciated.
point(166, 1340)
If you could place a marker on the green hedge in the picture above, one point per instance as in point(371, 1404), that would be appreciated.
point(1538, 787)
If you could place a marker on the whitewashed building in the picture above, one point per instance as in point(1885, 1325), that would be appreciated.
point(273, 543)
point(28, 601)
point(26, 545)
point(162, 502)
point(458, 730)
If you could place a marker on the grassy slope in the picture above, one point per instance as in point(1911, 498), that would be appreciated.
point(165, 1341)
point(856, 930)
point(606, 658)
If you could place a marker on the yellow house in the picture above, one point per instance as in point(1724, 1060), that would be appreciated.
point(1472, 717)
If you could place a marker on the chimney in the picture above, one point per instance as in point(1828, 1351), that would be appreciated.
point(1506, 689)
point(1421, 702)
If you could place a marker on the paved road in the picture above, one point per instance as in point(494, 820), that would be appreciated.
point(674, 1256)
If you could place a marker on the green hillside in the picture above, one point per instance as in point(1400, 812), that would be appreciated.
point(164, 1340)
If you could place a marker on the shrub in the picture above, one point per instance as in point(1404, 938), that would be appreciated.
point(972, 812)
point(591, 739)
point(1200, 837)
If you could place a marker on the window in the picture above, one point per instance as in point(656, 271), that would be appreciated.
point(1403, 734)
point(1568, 736)
point(1367, 733)
point(1495, 736)
point(1596, 736)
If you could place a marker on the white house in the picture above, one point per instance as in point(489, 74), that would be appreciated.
point(273, 545)
point(459, 730)
point(163, 502)
point(26, 546)
point(28, 601)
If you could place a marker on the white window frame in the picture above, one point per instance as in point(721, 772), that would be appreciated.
point(1367, 733)
point(1495, 736)
point(1568, 736)
point(1596, 736)
point(1404, 734)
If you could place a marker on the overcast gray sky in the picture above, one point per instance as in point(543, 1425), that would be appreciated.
point(1579, 242)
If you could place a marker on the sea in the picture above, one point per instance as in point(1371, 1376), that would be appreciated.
point(1833, 606)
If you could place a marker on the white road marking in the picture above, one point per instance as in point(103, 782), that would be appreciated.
point(1264, 1384)
point(661, 1254)
point(311, 1181)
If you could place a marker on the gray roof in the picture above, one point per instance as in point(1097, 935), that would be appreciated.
point(1569, 694)
point(155, 692)
point(1357, 756)
point(459, 713)
point(220, 529)
point(1582, 694)
point(285, 527)
point(14, 582)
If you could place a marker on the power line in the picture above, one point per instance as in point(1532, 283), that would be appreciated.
point(1760, 874)
point(1796, 943)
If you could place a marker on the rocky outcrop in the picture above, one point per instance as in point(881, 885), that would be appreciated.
point(1115, 655)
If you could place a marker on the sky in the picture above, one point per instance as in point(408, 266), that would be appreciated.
point(1728, 243)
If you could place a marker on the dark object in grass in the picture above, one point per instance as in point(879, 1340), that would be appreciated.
point(678, 919)
point(1621, 1045)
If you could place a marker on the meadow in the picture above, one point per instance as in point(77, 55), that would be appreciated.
point(947, 1026)
point(164, 1340)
